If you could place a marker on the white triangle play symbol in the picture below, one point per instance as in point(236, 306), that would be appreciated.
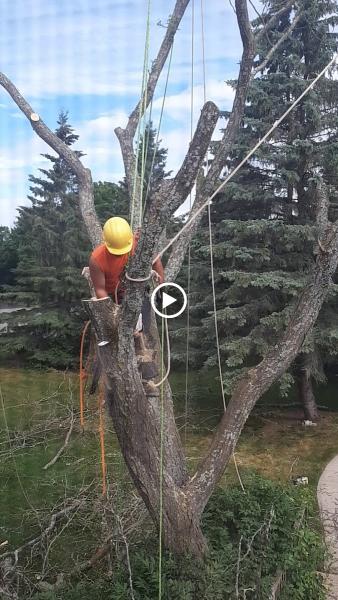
point(167, 300)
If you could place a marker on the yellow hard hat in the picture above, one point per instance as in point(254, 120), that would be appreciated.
point(117, 236)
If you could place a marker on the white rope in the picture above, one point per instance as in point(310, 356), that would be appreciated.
point(168, 355)
point(212, 270)
point(240, 165)
point(139, 279)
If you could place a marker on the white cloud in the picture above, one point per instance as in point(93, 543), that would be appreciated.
point(178, 106)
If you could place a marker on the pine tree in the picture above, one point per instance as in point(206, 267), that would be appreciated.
point(264, 223)
point(49, 247)
point(8, 257)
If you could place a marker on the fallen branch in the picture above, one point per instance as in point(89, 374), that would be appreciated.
point(58, 454)
point(56, 517)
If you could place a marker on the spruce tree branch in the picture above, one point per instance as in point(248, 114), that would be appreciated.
point(272, 50)
point(273, 20)
point(86, 194)
point(259, 379)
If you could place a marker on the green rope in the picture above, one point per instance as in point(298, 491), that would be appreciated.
point(161, 468)
point(157, 142)
point(189, 247)
point(142, 110)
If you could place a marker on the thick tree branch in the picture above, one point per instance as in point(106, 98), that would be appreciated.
point(157, 66)
point(212, 179)
point(126, 136)
point(179, 249)
point(86, 195)
point(238, 106)
point(272, 50)
point(259, 379)
point(183, 182)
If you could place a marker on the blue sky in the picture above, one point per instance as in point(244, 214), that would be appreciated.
point(87, 58)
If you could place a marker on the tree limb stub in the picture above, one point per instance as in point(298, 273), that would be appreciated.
point(86, 196)
point(258, 379)
point(184, 180)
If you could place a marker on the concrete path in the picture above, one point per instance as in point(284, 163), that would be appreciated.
point(327, 494)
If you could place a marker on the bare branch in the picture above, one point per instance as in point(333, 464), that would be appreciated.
point(238, 106)
point(179, 249)
point(157, 65)
point(55, 518)
point(126, 136)
point(322, 208)
point(272, 50)
point(63, 447)
point(86, 195)
point(211, 180)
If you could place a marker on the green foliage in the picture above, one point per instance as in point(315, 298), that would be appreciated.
point(261, 531)
point(264, 223)
point(8, 256)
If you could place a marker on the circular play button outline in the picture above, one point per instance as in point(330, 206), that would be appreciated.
point(153, 300)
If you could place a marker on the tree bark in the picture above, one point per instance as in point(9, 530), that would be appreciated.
point(306, 396)
point(139, 415)
point(305, 389)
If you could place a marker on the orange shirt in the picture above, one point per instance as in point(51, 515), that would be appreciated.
point(111, 265)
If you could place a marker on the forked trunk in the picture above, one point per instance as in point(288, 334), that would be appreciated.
point(140, 412)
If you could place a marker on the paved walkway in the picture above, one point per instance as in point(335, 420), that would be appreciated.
point(327, 494)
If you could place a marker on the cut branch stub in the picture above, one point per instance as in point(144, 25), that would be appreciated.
point(186, 176)
point(104, 316)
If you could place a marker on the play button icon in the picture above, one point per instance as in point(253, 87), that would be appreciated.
point(167, 300)
point(161, 300)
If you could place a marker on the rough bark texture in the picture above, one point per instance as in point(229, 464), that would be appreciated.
point(136, 414)
point(305, 389)
point(307, 397)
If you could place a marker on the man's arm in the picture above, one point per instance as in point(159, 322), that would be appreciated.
point(98, 279)
point(158, 267)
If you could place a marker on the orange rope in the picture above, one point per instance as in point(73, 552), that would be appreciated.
point(82, 374)
point(103, 455)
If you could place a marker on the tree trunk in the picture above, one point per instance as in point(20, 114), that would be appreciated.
point(306, 396)
point(305, 389)
point(140, 412)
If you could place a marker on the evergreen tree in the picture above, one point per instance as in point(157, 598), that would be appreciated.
point(8, 257)
point(264, 222)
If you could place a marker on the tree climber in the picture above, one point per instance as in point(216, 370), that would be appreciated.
point(108, 261)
